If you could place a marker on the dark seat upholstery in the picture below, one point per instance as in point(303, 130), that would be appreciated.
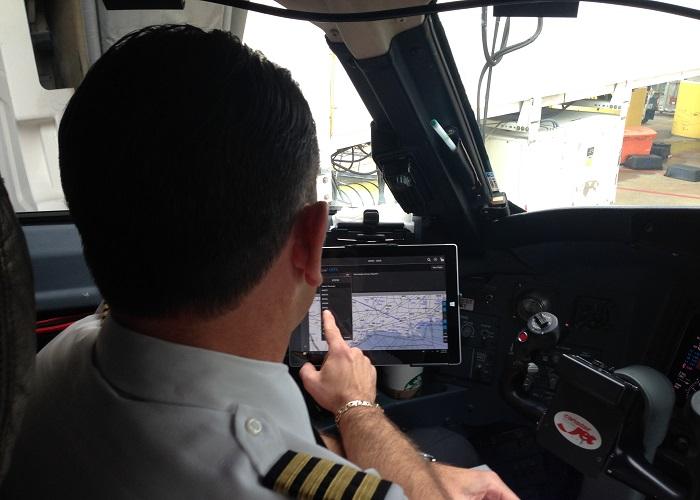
point(17, 338)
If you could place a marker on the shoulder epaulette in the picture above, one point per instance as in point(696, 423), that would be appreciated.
point(302, 476)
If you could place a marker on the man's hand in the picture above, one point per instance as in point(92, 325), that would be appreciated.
point(346, 374)
point(371, 440)
point(470, 484)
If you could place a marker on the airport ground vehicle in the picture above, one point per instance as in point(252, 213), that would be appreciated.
point(622, 280)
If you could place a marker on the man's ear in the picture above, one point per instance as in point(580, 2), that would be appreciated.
point(309, 234)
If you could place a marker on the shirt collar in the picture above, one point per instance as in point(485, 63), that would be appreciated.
point(152, 369)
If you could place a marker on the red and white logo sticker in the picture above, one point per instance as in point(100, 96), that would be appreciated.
point(577, 430)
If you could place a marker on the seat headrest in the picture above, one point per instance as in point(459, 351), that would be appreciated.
point(17, 337)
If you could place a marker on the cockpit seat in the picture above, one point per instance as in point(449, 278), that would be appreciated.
point(17, 338)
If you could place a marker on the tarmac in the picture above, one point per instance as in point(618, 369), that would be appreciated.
point(651, 187)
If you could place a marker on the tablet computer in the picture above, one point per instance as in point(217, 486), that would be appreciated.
point(398, 303)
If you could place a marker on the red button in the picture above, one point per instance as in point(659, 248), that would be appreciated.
point(522, 337)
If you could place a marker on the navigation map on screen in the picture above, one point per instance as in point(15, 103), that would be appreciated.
point(388, 321)
point(383, 303)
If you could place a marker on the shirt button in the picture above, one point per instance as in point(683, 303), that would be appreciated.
point(253, 426)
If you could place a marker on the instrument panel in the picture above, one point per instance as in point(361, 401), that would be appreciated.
point(686, 368)
point(594, 325)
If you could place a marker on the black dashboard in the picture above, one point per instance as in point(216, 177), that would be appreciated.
point(624, 290)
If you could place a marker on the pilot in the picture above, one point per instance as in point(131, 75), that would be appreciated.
point(189, 161)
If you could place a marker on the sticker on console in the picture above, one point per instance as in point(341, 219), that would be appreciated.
point(577, 430)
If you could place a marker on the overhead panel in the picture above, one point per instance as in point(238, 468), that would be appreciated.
point(363, 40)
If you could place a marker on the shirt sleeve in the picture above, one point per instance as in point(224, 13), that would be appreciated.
point(395, 493)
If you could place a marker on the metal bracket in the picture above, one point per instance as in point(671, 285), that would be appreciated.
point(622, 95)
point(530, 116)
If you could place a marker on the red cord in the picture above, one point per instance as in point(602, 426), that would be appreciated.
point(57, 324)
point(53, 328)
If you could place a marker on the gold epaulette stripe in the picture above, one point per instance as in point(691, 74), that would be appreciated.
point(291, 472)
point(300, 475)
point(341, 481)
point(312, 482)
point(368, 486)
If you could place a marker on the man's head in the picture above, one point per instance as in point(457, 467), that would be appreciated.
point(186, 159)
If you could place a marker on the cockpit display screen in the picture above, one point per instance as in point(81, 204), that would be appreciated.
point(686, 377)
point(396, 303)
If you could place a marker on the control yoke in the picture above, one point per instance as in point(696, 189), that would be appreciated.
point(599, 420)
point(540, 334)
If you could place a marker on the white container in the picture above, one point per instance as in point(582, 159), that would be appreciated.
point(402, 381)
point(572, 162)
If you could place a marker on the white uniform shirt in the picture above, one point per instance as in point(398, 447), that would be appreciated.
point(117, 414)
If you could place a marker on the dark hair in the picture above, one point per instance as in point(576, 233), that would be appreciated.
point(185, 157)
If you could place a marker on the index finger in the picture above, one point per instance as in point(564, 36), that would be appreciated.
point(331, 331)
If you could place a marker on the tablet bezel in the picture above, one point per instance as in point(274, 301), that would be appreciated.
point(451, 356)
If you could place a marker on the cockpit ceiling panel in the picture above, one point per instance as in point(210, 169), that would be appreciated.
point(363, 40)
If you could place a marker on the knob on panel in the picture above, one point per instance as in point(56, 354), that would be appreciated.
point(541, 334)
point(695, 409)
point(542, 323)
point(530, 303)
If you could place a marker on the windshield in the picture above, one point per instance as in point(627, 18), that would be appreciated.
point(596, 110)
point(599, 110)
point(603, 109)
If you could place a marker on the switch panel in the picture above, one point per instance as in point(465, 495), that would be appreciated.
point(479, 341)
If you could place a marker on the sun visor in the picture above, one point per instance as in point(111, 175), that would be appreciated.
point(367, 39)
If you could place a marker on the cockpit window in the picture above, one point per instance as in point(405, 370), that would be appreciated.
point(598, 110)
point(602, 109)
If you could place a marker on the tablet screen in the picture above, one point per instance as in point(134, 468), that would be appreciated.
point(396, 303)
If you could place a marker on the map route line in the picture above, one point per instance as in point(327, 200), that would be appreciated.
point(379, 311)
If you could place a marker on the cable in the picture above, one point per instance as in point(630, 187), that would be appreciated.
point(554, 123)
point(347, 164)
point(362, 185)
point(499, 55)
point(433, 8)
point(359, 197)
point(341, 163)
point(371, 196)
point(492, 62)
point(493, 58)
point(478, 94)
point(343, 197)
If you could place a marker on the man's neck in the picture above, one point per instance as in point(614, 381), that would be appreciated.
point(258, 327)
point(256, 331)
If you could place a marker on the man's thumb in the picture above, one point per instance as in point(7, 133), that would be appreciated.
point(309, 376)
